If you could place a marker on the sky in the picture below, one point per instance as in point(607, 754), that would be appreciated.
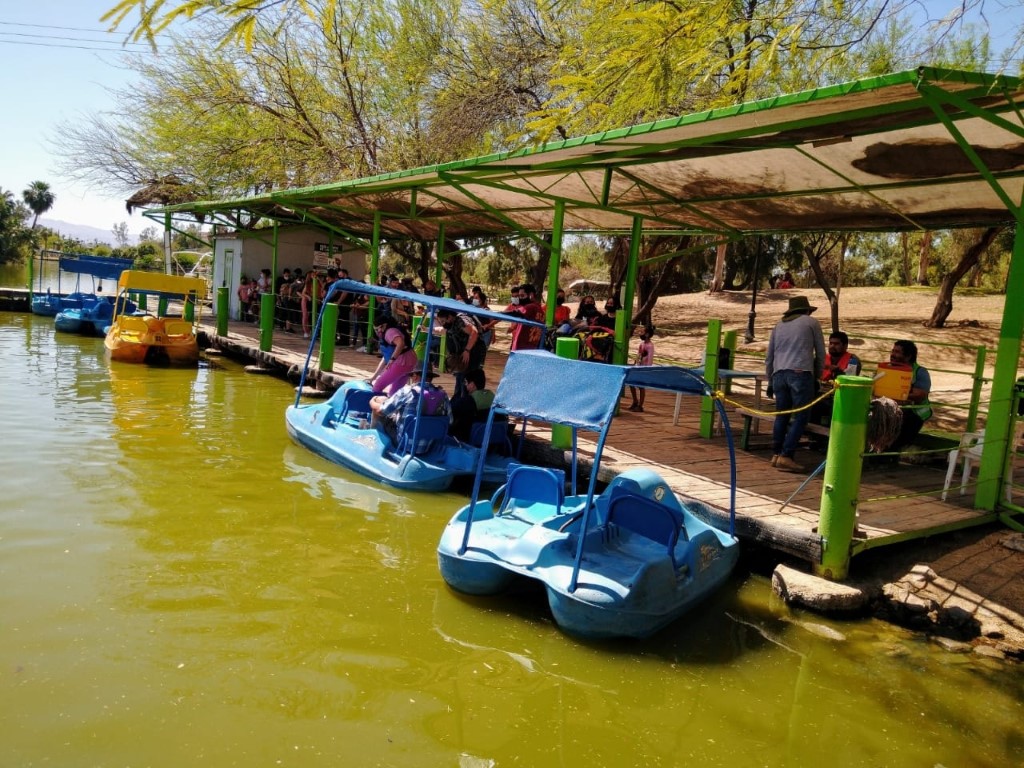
point(58, 61)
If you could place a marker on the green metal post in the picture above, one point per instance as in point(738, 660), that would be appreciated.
point(273, 257)
point(267, 302)
point(161, 307)
point(222, 311)
point(142, 301)
point(189, 309)
point(419, 344)
point(979, 382)
point(168, 245)
point(327, 334)
point(620, 352)
point(554, 263)
point(632, 269)
point(707, 404)
point(841, 483)
point(729, 342)
point(439, 268)
point(31, 264)
point(997, 426)
point(371, 343)
point(561, 435)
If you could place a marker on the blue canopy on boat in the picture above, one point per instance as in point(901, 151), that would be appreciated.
point(436, 302)
point(579, 393)
point(103, 267)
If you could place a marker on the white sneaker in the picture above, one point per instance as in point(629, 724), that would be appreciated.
point(305, 335)
point(361, 349)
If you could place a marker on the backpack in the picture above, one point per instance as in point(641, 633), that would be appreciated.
point(597, 346)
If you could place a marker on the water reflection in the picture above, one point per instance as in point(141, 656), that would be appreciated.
point(181, 584)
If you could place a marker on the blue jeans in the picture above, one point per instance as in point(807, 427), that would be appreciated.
point(793, 389)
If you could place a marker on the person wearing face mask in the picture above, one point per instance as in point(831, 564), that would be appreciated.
point(607, 320)
point(562, 313)
point(586, 312)
point(486, 326)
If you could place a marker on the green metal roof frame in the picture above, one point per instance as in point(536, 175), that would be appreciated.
point(922, 149)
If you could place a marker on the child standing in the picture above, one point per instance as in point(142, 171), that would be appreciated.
point(644, 356)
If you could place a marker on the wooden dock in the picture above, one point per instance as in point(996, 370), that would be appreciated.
point(897, 503)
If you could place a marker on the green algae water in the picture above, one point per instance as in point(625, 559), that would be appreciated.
point(182, 586)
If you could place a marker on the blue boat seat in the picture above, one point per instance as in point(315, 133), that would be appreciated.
point(647, 518)
point(432, 430)
point(528, 487)
point(356, 401)
point(498, 442)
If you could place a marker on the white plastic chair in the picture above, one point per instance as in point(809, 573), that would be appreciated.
point(970, 448)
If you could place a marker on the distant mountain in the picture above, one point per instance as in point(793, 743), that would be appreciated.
point(83, 232)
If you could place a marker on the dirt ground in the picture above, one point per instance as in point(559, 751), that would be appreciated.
point(983, 564)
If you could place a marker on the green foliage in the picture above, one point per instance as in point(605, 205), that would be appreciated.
point(15, 237)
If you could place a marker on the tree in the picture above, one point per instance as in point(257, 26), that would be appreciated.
point(120, 232)
point(14, 235)
point(39, 199)
point(979, 241)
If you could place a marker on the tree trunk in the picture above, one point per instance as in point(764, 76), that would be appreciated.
point(717, 280)
point(539, 275)
point(925, 260)
point(944, 300)
point(905, 257)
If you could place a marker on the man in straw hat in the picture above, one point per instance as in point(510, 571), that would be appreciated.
point(796, 354)
point(417, 396)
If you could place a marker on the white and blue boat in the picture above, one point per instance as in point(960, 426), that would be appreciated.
point(623, 563)
point(337, 428)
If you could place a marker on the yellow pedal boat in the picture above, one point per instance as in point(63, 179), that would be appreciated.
point(147, 338)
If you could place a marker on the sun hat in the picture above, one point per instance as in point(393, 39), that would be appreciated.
point(418, 371)
point(799, 305)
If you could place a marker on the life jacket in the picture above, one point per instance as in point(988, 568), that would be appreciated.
point(844, 363)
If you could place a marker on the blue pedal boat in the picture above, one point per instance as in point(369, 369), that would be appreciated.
point(337, 428)
point(98, 268)
point(625, 562)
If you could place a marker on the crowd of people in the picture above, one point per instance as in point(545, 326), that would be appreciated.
point(799, 365)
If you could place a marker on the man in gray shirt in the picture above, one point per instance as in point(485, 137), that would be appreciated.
point(796, 353)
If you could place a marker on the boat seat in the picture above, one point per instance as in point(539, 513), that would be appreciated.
point(356, 401)
point(132, 324)
point(431, 431)
point(529, 486)
point(647, 518)
point(178, 328)
point(498, 443)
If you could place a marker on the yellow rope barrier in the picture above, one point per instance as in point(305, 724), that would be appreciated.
point(719, 395)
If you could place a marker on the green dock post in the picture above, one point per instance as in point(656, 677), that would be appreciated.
point(707, 404)
point(142, 301)
point(620, 351)
point(267, 303)
point(419, 344)
point(222, 311)
point(328, 330)
point(161, 307)
point(189, 310)
point(979, 382)
point(561, 435)
point(729, 342)
point(841, 483)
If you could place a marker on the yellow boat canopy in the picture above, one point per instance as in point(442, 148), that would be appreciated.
point(164, 285)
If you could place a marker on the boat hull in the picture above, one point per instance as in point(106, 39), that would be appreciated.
point(332, 429)
point(153, 340)
point(69, 321)
point(627, 586)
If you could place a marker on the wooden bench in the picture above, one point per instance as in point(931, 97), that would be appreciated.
point(752, 418)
